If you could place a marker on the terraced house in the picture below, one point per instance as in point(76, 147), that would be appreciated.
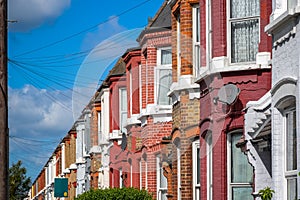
point(204, 107)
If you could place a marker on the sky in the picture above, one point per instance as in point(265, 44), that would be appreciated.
point(59, 52)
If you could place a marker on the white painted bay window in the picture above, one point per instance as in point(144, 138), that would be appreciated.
point(161, 181)
point(123, 109)
point(244, 25)
point(163, 76)
point(196, 170)
point(291, 153)
point(196, 40)
point(240, 171)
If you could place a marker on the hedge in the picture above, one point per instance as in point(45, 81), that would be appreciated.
point(115, 194)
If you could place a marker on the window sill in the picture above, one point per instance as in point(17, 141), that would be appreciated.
point(282, 19)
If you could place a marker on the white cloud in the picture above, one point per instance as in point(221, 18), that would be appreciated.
point(38, 113)
point(32, 13)
point(104, 31)
point(37, 122)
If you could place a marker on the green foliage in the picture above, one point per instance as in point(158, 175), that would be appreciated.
point(115, 194)
point(19, 183)
point(266, 193)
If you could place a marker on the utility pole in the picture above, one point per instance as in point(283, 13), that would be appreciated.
point(3, 102)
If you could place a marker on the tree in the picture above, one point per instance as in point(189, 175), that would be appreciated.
point(19, 183)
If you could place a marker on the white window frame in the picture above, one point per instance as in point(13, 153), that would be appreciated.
point(100, 136)
point(209, 164)
point(120, 178)
point(146, 175)
point(130, 174)
point(178, 41)
point(140, 87)
point(121, 123)
point(208, 34)
point(130, 90)
point(159, 189)
point(232, 185)
point(158, 68)
point(196, 41)
point(291, 174)
point(141, 174)
point(178, 173)
point(229, 22)
point(196, 186)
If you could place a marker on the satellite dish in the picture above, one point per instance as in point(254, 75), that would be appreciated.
point(124, 142)
point(228, 93)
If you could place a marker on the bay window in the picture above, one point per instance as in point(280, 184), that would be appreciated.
point(244, 25)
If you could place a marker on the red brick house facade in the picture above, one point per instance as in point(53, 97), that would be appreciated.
point(234, 71)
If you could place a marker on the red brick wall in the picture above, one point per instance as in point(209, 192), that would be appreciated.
point(253, 85)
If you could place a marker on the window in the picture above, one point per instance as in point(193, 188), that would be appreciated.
point(123, 109)
point(100, 136)
point(209, 157)
point(178, 173)
point(130, 90)
point(196, 170)
point(140, 87)
point(161, 181)
point(244, 24)
point(131, 177)
point(141, 174)
point(163, 76)
point(240, 171)
point(178, 55)
point(291, 153)
point(208, 34)
point(121, 178)
point(196, 40)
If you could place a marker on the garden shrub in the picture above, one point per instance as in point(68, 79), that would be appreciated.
point(115, 194)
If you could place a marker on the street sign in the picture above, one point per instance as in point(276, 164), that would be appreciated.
point(60, 187)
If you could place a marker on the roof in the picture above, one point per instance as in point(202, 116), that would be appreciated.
point(160, 22)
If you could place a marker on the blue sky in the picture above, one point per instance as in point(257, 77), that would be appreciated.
point(58, 51)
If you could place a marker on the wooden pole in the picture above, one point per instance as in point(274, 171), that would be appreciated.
point(3, 103)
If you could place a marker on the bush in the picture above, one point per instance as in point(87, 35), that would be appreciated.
point(115, 194)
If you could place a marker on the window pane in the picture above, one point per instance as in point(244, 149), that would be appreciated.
point(165, 81)
point(242, 193)
point(197, 23)
point(163, 179)
point(197, 59)
point(241, 170)
point(163, 194)
point(166, 56)
point(123, 121)
point(123, 96)
point(291, 141)
point(244, 40)
point(198, 165)
point(242, 8)
point(292, 188)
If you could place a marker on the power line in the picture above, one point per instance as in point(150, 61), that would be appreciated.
point(83, 31)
